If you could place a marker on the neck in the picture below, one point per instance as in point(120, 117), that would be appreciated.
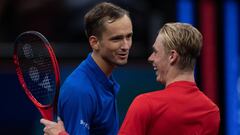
point(104, 66)
point(180, 75)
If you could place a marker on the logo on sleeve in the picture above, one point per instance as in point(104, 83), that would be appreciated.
point(84, 124)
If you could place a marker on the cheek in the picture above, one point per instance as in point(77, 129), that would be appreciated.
point(111, 47)
point(158, 59)
point(107, 51)
point(130, 44)
point(160, 62)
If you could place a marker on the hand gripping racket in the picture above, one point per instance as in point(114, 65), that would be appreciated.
point(38, 72)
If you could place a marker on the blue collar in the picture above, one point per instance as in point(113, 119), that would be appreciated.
point(109, 82)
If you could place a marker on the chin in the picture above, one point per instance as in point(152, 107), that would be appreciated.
point(122, 63)
point(159, 80)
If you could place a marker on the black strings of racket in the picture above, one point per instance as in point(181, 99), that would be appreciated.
point(38, 72)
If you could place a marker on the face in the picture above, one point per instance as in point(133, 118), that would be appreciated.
point(159, 60)
point(116, 42)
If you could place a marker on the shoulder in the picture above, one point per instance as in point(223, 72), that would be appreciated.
point(141, 103)
point(141, 97)
point(77, 86)
point(140, 108)
point(138, 116)
point(77, 80)
point(150, 96)
point(208, 102)
point(149, 102)
point(76, 95)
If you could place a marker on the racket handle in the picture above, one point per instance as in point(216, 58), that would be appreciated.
point(47, 113)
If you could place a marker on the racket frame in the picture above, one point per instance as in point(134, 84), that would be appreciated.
point(47, 111)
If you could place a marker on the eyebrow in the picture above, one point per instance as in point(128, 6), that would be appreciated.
point(130, 34)
point(120, 36)
point(154, 49)
point(116, 37)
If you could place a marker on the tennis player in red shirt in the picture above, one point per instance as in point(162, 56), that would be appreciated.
point(181, 108)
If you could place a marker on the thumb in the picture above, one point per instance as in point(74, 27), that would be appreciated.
point(46, 122)
point(59, 120)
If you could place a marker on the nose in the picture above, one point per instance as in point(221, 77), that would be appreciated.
point(126, 44)
point(150, 58)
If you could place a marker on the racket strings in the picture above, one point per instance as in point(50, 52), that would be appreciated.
point(38, 73)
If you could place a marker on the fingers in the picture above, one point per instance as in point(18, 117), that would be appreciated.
point(51, 127)
point(59, 119)
point(60, 122)
point(47, 130)
point(47, 122)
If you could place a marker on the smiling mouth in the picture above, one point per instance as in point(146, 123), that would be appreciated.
point(155, 69)
point(123, 55)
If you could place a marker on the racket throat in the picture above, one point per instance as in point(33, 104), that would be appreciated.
point(47, 113)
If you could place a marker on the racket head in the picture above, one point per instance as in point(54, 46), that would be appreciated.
point(38, 72)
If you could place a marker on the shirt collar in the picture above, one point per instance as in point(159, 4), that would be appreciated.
point(181, 83)
point(109, 82)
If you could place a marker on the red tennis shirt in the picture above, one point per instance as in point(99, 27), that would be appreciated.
point(180, 109)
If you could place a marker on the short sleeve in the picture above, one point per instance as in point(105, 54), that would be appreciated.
point(76, 109)
point(137, 118)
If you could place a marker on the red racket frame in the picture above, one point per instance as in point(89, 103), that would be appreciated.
point(47, 111)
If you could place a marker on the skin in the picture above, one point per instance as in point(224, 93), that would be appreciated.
point(159, 60)
point(109, 51)
point(165, 64)
point(112, 48)
point(52, 128)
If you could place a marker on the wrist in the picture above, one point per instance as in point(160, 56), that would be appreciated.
point(63, 133)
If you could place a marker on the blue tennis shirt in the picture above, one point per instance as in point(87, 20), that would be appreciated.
point(87, 101)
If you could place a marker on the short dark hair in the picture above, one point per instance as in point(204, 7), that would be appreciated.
point(103, 12)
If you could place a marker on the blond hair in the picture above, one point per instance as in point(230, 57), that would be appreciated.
point(185, 40)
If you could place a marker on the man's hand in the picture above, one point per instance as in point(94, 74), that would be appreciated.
point(53, 128)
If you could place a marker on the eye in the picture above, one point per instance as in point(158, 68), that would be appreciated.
point(129, 36)
point(116, 38)
point(154, 50)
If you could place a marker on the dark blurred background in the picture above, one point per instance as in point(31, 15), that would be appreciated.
point(61, 21)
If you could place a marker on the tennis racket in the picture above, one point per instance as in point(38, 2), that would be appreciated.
point(38, 72)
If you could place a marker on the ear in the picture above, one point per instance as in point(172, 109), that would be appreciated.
point(173, 57)
point(94, 42)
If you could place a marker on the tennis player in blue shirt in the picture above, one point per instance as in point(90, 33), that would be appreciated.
point(87, 100)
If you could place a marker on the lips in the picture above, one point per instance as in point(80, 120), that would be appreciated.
point(123, 55)
point(155, 69)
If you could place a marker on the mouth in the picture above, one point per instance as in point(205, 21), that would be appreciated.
point(123, 55)
point(155, 69)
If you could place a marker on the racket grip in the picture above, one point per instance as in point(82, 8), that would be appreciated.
point(47, 113)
